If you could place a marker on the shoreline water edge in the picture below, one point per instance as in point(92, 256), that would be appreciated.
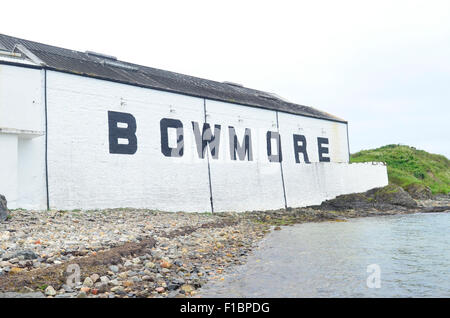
point(131, 253)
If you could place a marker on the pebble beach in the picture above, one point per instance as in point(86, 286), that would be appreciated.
point(131, 253)
point(119, 253)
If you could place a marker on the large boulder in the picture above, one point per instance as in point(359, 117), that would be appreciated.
point(3, 208)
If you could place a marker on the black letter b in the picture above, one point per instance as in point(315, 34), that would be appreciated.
point(116, 133)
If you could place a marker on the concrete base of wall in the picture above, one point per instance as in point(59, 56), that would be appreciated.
point(314, 183)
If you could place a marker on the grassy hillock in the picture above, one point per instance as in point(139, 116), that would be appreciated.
point(408, 166)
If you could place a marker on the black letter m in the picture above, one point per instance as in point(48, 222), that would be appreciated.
point(241, 150)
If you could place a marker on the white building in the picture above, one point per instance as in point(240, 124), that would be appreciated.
point(85, 130)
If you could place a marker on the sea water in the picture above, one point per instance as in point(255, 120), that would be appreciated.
point(389, 256)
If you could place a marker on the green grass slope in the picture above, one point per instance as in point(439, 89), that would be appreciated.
point(407, 165)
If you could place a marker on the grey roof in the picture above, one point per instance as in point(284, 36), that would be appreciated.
point(109, 68)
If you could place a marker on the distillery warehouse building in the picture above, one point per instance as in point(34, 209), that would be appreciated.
point(83, 130)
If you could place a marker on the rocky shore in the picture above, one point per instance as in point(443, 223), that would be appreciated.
point(143, 253)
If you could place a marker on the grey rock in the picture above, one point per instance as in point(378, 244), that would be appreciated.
point(178, 263)
point(67, 289)
point(3, 208)
point(179, 281)
point(114, 268)
point(117, 289)
point(12, 246)
point(95, 277)
point(104, 279)
point(88, 282)
point(50, 291)
point(128, 263)
point(102, 287)
point(22, 295)
point(149, 265)
point(23, 263)
point(172, 286)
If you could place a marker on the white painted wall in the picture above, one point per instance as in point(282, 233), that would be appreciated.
point(20, 98)
point(83, 174)
point(22, 141)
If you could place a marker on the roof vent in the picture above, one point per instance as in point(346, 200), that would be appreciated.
point(233, 84)
point(119, 65)
point(101, 55)
point(267, 96)
point(273, 96)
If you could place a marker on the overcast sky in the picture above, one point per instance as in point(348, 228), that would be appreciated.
point(382, 65)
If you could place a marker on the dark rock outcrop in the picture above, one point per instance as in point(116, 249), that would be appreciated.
point(419, 191)
point(389, 197)
point(3, 208)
